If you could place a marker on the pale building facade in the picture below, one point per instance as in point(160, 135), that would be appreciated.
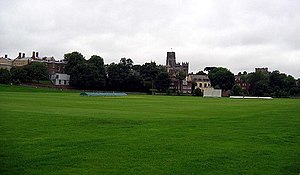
point(60, 79)
point(201, 81)
point(5, 62)
point(21, 60)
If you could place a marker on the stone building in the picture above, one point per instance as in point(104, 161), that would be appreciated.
point(263, 70)
point(201, 81)
point(5, 62)
point(56, 69)
point(21, 60)
point(174, 69)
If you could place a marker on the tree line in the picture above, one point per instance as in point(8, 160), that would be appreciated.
point(34, 72)
point(126, 76)
point(275, 84)
point(122, 76)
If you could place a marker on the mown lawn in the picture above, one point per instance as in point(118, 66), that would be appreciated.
point(53, 132)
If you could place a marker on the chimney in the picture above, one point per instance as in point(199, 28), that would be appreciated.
point(5, 56)
point(37, 54)
point(20, 54)
point(33, 55)
point(23, 56)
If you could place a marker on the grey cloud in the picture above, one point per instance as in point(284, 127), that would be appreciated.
point(240, 35)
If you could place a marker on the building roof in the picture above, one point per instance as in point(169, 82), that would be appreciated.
point(8, 59)
point(195, 77)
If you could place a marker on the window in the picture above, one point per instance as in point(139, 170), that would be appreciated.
point(205, 85)
point(65, 82)
point(59, 81)
point(57, 76)
point(200, 85)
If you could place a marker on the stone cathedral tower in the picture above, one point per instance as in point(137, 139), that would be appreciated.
point(172, 67)
point(171, 59)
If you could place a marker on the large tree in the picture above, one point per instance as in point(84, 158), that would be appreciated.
point(73, 59)
point(38, 71)
point(163, 81)
point(280, 84)
point(20, 74)
point(258, 82)
point(89, 74)
point(115, 82)
point(100, 76)
point(221, 77)
point(149, 73)
point(120, 76)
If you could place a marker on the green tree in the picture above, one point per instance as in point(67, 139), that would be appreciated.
point(198, 92)
point(115, 82)
point(163, 81)
point(134, 83)
point(273, 84)
point(280, 84)
point(258, 83)
point(20, 74)
point(37, 71)
point(149, 73)
point(5, 76)
point(99, 72)
point(208, 69)
point(73, 59)
point(237, 90)
point(126, 74)
point(89, 74)
point(222, 78)
point(84, 76)
point(126, 62)
point(121, 76)
point(97, 61)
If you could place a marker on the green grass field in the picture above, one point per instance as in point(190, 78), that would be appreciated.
point(52, 132)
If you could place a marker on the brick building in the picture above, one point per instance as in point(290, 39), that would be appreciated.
point(242, 82)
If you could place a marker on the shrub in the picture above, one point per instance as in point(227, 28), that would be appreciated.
point(5, 76)
point(198, 92)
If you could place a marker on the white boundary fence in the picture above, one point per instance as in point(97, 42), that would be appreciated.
point(247, 97)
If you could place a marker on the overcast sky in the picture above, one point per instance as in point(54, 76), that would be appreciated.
point(237, 34)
